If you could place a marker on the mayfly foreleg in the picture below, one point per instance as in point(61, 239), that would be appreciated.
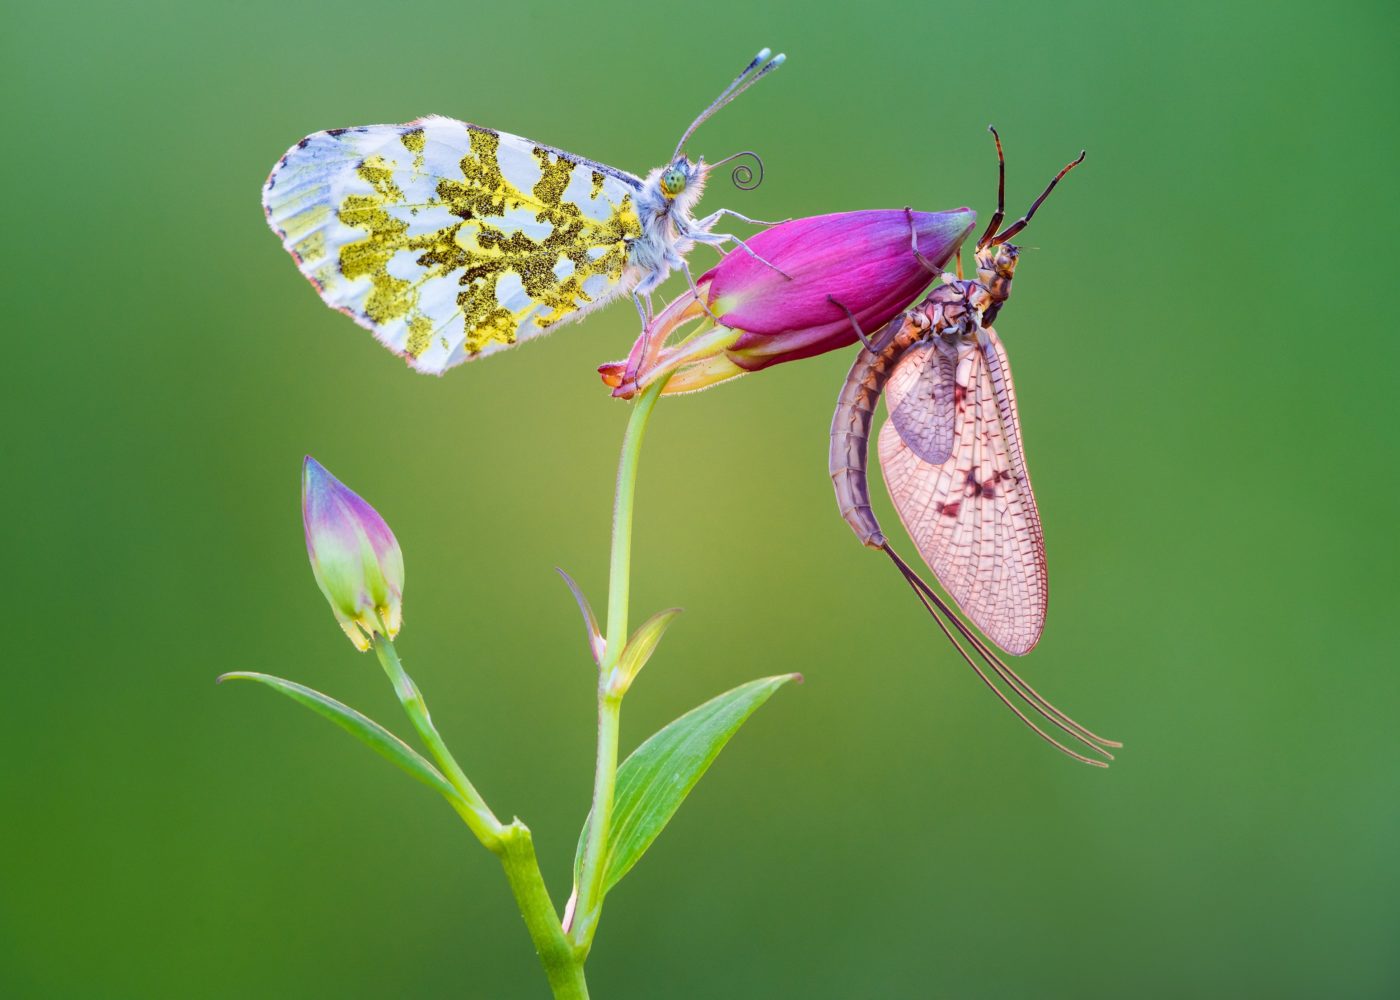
point(1024, 220)
point(865, 341)
point(924, 262)
point(1000, 213)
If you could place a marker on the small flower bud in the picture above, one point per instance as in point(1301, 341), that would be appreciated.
point(356, 559)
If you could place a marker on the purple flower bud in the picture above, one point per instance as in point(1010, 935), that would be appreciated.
point(356, 559)
point(789, 305)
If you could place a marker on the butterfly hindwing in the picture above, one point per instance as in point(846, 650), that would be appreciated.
point(450, 241)
point(973, 516)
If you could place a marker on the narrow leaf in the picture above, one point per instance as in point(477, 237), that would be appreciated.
point(363, 728)
point(654, 781)
point(640, 647)
point(596, 643)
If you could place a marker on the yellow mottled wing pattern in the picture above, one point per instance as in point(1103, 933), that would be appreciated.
point(450, 241)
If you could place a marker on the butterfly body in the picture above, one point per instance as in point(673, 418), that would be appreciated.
point(451, 241)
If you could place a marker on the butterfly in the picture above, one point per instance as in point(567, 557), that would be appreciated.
point(955, 468)
point(452, 242)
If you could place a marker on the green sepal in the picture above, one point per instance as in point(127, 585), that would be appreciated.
point(654, 781)
point(363, 728)
point(639, 649)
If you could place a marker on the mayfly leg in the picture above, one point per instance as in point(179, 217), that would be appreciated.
point(924, 262)
point(865, 341)
point(1000, 213)
point(1022, 222)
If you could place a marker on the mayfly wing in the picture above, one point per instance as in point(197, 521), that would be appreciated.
point(450, 241)
point(919, 397)
point(973, 516)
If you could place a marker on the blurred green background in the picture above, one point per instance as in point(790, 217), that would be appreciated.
point(1209, 407)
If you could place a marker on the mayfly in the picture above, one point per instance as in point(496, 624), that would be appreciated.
point(451, 241)
point(952, 460)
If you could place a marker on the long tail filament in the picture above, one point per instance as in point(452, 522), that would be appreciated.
point(944, 616)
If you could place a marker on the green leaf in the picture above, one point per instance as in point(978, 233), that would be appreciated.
point(640, 647)
point(654, 781)
point(363, 728)
point(596, 645)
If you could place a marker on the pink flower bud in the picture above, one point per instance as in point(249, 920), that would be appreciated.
point(356, 559)
point(794, 302)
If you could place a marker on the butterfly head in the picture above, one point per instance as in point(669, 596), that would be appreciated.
point(676, 178)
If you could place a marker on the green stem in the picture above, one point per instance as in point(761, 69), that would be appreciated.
point(473, 808)
point(512, 844)
point(590, 889)
point(562, 965)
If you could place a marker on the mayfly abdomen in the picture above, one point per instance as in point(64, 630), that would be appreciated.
point(850, 431)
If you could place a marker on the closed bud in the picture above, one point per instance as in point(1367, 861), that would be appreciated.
point(356, 559)
point(815, 275)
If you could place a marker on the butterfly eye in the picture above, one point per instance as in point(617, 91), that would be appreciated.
point(673, 182)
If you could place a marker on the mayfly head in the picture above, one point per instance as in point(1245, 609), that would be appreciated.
point(998, 261)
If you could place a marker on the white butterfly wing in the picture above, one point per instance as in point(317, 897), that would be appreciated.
point(450, 241)
point(972, 516)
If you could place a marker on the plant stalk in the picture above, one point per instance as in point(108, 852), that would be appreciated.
point(563, 966)
point(472, 808)
point(590, 888)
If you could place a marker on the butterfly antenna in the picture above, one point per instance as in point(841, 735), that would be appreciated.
point(744, 176)
point(762, 63)
point(943, 616)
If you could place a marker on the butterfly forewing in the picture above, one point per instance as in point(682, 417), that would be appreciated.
point(973, 515)
point(451, 241)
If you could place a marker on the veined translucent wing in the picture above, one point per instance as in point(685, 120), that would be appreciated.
point(450, 241)
point(973, 516)
point(920, 401)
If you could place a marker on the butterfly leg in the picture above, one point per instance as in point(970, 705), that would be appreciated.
point(708, 222)
point(644, 348)
point(695, 291)
point(643, 303)
point(715, 239)
point(865, 341)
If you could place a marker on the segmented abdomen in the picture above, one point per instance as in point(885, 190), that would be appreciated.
point(850, 427)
